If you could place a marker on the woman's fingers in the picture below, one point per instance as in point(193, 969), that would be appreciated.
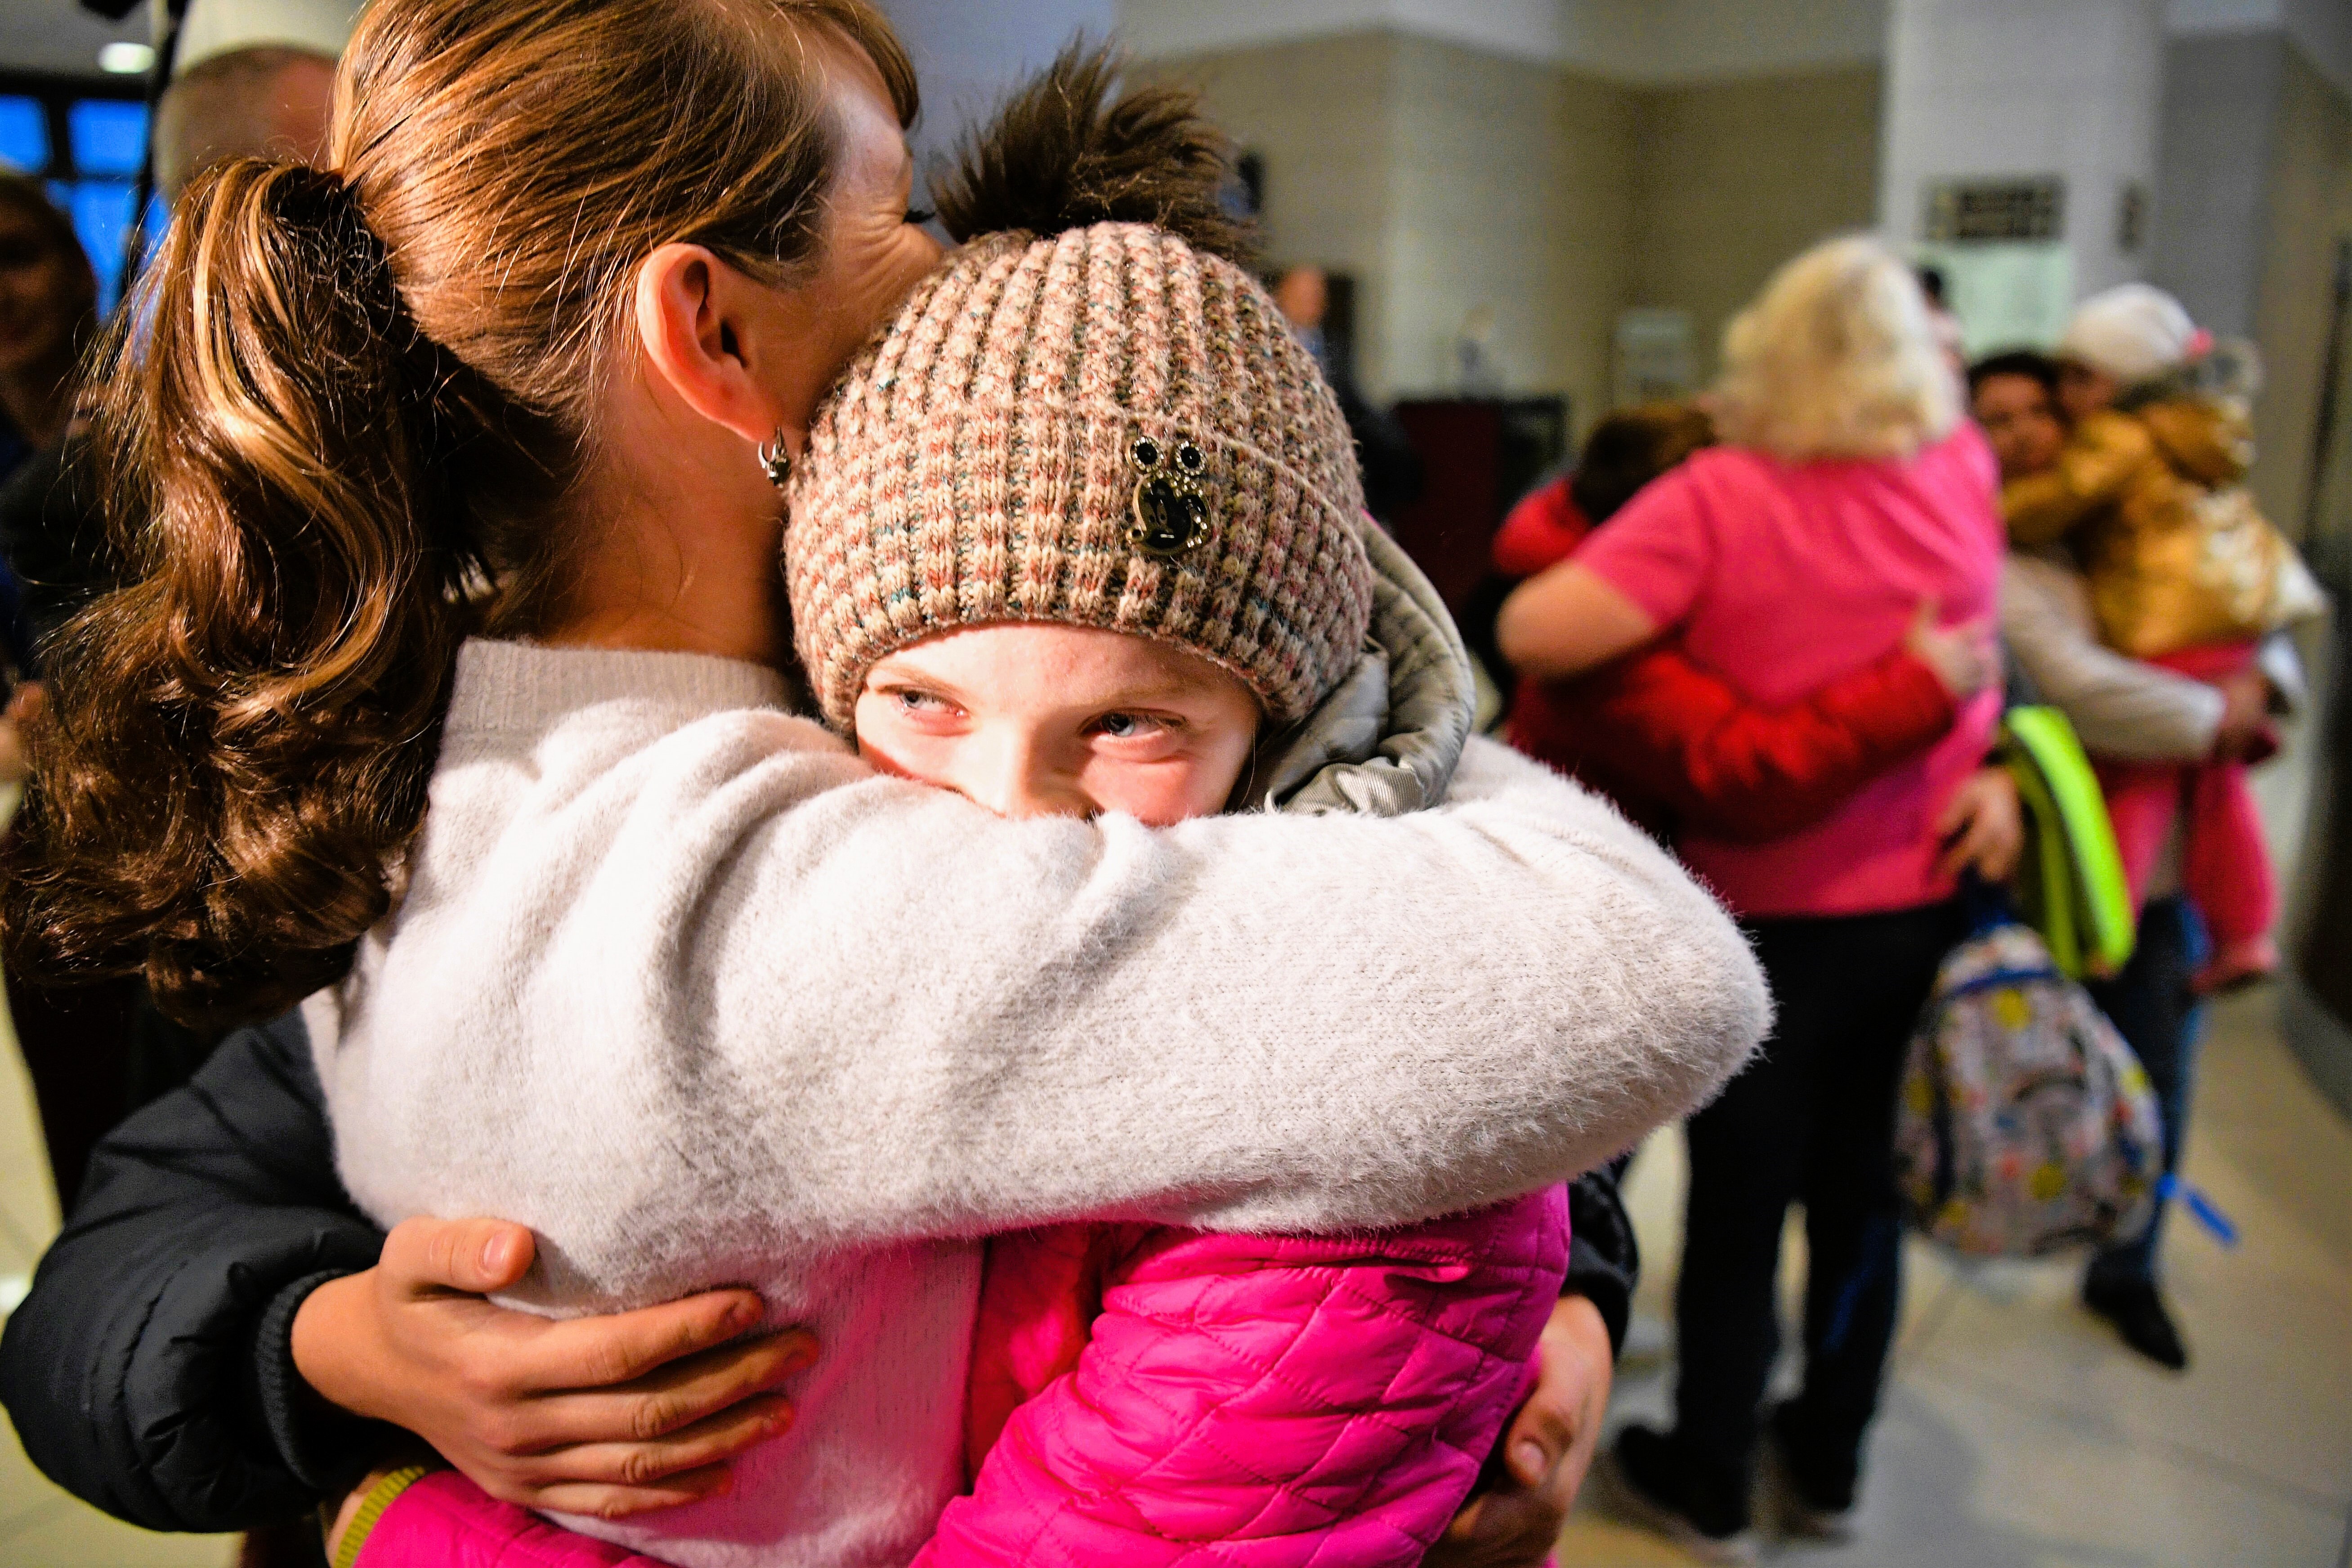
point(673, 1398)
point(706, 1444)
point(600, 1352)
point(1984, 826)
point(1962, 657)
point(471, 1256)
point(623, 1502)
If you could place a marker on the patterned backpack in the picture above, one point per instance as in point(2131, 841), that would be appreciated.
point(2026, 1125)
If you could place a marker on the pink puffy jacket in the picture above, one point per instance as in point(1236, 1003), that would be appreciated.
point(1146, 1395)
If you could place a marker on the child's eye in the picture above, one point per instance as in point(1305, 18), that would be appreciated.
point(915, 703)
point(1130, 726)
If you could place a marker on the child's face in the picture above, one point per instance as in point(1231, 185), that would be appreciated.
point(1053, 721)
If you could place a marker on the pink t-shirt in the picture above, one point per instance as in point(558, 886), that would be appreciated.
point(1783, 576)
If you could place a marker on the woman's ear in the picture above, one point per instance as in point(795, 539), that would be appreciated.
point(694, 315)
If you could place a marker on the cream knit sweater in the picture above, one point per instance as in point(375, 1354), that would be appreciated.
point(678, 983)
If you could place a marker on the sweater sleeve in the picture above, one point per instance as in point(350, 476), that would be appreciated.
point(1239, 1023)
point(147, 1372)
point(1738, 770)
point(1542, 531)
point(2120, 707)
point(1274, 1400)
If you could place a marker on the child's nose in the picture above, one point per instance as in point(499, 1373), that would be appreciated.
point(1018, 776)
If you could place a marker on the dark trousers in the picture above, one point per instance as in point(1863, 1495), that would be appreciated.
point(2153, 1009)
point(73, 1040)
point(1811, 1121)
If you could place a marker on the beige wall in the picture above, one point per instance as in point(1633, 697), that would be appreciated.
point(1737, 177)
point(1443, 179)
point(1446, 178)
point(2310, 208)
point(1514, 190)
point(1319, 111)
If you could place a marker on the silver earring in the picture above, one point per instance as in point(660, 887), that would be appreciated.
point(774, 461)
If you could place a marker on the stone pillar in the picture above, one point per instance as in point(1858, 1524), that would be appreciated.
point(2015, 90)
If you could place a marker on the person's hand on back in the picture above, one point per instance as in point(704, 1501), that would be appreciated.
point(608, 1416)
point(1963, 656)
point(1548, 1448)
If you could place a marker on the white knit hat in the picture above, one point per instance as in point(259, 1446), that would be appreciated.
point(2132, 331)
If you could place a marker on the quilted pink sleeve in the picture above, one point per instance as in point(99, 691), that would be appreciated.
point(1273, 1401)
point(447, 1521)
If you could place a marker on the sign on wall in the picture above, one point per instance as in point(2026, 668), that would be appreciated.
point(1994, 210)
point(1653, 359)
point(2007, 294)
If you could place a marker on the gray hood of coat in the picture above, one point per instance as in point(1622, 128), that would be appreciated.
point(1386, 740)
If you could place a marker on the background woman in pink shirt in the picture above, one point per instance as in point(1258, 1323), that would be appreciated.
point(1848, 493)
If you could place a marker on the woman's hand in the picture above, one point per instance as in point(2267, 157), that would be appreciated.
point(1982, 827)
point(1963, 656)
point(2244, 730)
point(609, 1416)
point(1548, 1448)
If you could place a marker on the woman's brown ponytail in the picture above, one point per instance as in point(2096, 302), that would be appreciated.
point(342, 411)
point(241, 739)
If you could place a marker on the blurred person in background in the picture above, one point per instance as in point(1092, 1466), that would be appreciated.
point(2149, 495)
point(1392, 468)
point(265, 100)
point(258, 100)
point(2014, 396)
point(97, 1053)
point(2126, 711)
point(48, 313)
point(49, 308)
point(1678, 746)
point(1848, 492)
point(1950, 336)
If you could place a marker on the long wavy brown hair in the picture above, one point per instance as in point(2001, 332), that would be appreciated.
point(340, 419)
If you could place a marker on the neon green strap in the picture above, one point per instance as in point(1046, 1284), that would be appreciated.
point(2085, 904)
point(379, 1498)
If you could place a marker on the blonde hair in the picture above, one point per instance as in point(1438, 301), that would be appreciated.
point(1837, 358)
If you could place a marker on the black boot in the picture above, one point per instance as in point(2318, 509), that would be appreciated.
point(1815, 1501)
point(1651, 1490)
point(2137, 1309)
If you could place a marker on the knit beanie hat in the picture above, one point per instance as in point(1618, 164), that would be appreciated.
point(2132, 331)
point(1092, 416)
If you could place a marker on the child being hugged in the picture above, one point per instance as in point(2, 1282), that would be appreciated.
point(2149, 493)
point(1082, 534)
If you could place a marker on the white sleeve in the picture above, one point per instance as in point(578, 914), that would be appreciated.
point(2120, 707)
point(931, 1021)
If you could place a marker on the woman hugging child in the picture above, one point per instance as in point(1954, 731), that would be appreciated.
point(2150, 494)
point(1081, 535)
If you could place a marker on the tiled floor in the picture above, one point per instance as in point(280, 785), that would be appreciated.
point(2018, 1433)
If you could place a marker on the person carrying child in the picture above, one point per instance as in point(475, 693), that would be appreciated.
point(2184, 571)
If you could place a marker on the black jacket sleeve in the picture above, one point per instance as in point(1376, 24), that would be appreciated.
point(1604, 1260)
point(148, 1371)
